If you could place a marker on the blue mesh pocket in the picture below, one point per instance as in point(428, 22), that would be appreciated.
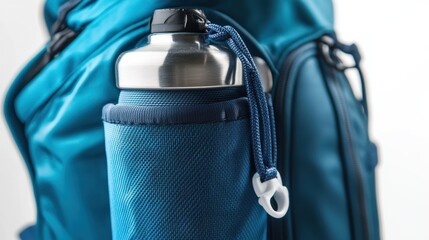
point(182, 172)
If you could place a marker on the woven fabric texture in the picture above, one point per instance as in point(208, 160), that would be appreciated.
point(182, 181)
point(182, 97)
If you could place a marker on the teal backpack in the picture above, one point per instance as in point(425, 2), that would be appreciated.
point(98, 176)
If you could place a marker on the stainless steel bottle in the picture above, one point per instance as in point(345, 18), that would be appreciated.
point(178, 56)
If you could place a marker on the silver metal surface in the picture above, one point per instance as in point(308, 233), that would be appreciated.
point(265, 74)
point(173, 61)
point(183, 61)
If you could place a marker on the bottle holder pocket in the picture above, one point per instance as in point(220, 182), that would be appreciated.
point(182, 172)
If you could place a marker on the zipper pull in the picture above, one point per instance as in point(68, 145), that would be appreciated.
point(61, 37)
point(59, 41)
point(330, 46)
point(60, 23)
point(61, 34)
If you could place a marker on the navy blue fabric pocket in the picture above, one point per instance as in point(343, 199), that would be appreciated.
point(182, 172)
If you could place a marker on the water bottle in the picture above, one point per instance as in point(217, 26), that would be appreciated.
point(178, 143)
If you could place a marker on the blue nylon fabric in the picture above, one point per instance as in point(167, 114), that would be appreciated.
point(175, 182)
point(277, 25)
point(55, 119)
point(60, 109)
point(313, 162)
point(181, 180)
point(364, 151)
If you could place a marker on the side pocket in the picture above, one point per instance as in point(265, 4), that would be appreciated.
point(324, 152)
point(182, 172)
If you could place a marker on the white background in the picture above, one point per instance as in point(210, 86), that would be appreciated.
point(394, 39)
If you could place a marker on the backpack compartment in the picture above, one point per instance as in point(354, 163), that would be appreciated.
point(318, 132)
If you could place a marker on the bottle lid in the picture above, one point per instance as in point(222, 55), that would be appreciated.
point(178, 20)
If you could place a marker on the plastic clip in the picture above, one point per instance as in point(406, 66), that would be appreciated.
point(269, 189)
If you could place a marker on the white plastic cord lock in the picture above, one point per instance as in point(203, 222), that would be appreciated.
point(268, 189)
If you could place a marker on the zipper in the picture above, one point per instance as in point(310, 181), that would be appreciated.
point(355, 160)
point(290, 67)
point(282, 85)
point(292, 64)
point(60, 23)
point(58, 43)
point(61, 37)
point(328, 48)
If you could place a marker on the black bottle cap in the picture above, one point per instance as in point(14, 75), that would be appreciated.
point(178, 20)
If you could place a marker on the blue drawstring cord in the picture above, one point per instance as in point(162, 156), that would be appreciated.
point(262, 123)
point(267, 182)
